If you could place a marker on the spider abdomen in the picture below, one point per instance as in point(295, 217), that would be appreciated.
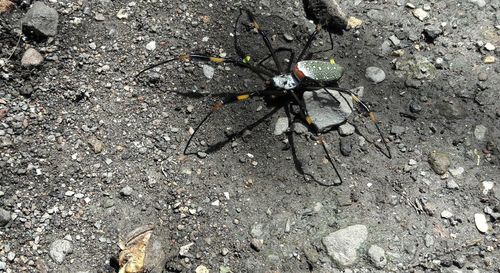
point(318, 71)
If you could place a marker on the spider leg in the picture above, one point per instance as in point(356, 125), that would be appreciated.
point(228, 100)
point(365, 108)
point(309, 42)
point(263, 34)
point(305, 116)
point(281, 49)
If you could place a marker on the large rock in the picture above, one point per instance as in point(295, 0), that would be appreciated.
point(326, 13)
point(325, 111)
point(342, 245)
point(40, 22)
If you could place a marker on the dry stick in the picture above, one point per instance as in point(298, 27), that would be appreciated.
point(17, 44)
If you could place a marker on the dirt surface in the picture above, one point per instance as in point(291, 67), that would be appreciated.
point(88, 152)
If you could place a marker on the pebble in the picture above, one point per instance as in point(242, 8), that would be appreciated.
point(489, 59)
point(451, 184)
point(4, 217)
point(281, 126)
point(420, 14)
point(377, 256)
point(96, 144)
point(202, 154)
point(346, 129)
point(257, 244)
point(202, 269)
point(99, 17)
point(481, 223)
point(345, 146)
point(395, 41)
point(288, 37)
point(482, 76)
point(353, 22)
point(59, 249)
point(480, 132)
point(487, 186)
point(489, 47)
point(208, 71)
point(457, 172)
point(397, 130)
point(415, 107)
point(446, 214)
point(439, 162)
point(126, 191)
point(342, 245)
point(324, 112)
point(184, 250)
point(479, 3)
point(375, 74)
point(31, 58)
point(151, 46)
point(122, 14)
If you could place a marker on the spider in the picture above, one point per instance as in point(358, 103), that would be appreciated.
point(301, 74)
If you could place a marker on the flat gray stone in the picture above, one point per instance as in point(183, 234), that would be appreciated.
point(281, 126)
point(342, 245)
point(208, 71)
point(346, 129)
point(377, 256)
point(4, 217)
point(59, 249)
point(325, 111)
point(375, 74)
point(480, 132)
point(40, 21)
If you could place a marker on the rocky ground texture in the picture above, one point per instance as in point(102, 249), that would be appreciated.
point(88, 152)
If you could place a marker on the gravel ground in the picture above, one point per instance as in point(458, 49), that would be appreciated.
point(88, 152)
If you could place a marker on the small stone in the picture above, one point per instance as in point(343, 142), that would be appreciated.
point(451, 184)
point(431, 33)
point(190, 108)
point(415, 107)
point(96, 144)
point(397, 130)
point(202, 154)
point(4, 217)
point(410, 5)
point(288, 37)
point(377, 256)
point(184, 250)
point(429, 240)
point(375, 74)
point(208, 71)
point(126, 191)
point(480, 132)
point(446, 214)
point(457, 172)
point(420, 14)
point(215, 203)
point(5, 5)
point(257, 244)
point(31, 58)
point(481, 223)
point(342, 245)
point(487, 186)
point(345, 146)
point(346, 129)
point(489, 47)
point(122, 14)
point(439, 162)
point(281, 126)
point(202, 269)
point(489, 59)
point(59, 249)
point(353, 22)
point(482, 76)
point(395, 41)
point(151, 46)
point(99, 17)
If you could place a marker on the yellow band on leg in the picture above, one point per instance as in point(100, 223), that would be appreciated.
point(243, 97)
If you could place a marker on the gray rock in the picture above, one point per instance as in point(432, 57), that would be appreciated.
point(4, 217)
point(450, 111)
point(325, 111)
point(40, 22)
point(346, 129)
point(439, 162)
point(420, 14)
point(377, 256)
point(397, 130)
point(3, 266)
point(208, 71)
point(375, 74)
point(59, 249)
point(281, 126)
point(345, 146)
point(327, 13)
point(451, 184)
point(96, 144)
point(126, 191)
point(432, 32)
point(480, 132)
point(342, 245)
point(479, 3)
point(31, 58)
